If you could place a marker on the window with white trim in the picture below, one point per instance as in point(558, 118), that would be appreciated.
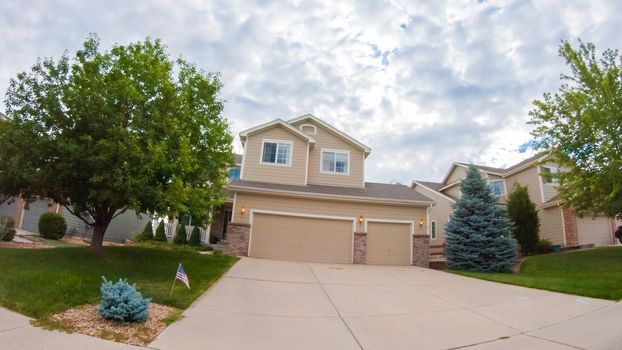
point(335, 162)
point(433, 229)
point(548, 171)
point(277, 152)
point(497, 187)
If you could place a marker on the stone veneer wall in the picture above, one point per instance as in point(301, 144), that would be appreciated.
point(237, 239)
point(360, 247)
point(570, 227)
point(421, 250)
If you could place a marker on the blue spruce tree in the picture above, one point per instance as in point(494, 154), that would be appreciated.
point(478, 234)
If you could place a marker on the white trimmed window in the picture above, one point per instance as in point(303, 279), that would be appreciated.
point(335, 162)
point(549, 179)
point(276, 152)
point(433, 229)
point(497, 187)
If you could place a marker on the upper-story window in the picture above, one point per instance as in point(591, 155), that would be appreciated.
point(336, 162)
point(549, 170)
point(277, 152)
point(234, 173)
point(497, 187)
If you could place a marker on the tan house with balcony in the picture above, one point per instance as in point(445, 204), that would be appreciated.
point(557, 224)
point(302, 196)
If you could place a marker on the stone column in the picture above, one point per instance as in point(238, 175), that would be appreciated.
point(360, 247)
point(421, 250)
point(570, 227)
point(237, 239)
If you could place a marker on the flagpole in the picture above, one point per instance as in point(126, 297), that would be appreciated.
point(175, 280)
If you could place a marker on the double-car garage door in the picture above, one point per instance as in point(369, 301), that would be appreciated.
point(329, 240)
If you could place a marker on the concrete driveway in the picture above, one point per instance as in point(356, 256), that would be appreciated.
point(267, 304)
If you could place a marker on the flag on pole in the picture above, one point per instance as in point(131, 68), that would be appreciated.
point(181, 275)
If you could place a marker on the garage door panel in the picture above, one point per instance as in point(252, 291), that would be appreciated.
point(388, 243)
point(301, 238)
point(596, 231)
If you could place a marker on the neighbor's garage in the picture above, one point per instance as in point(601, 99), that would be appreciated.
point(594, 230)
point(389, 243)
point(301, 238)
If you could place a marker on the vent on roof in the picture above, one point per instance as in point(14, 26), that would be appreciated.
point(308, 129)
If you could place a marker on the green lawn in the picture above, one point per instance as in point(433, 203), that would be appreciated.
point(593, 273)
point(41, 282)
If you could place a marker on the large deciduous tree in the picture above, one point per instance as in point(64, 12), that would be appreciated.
point(581, 125)
point(109, 131)
point(479, 233)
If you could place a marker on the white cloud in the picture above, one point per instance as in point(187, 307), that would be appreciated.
point(423, 83)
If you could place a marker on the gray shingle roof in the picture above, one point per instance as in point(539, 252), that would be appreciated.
point(371, 190)
point(511, 168)
point(431, 185)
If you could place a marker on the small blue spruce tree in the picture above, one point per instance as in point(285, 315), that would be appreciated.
point(122, 302)
point(479, 233)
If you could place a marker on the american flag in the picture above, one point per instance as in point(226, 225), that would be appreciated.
point(181, 275)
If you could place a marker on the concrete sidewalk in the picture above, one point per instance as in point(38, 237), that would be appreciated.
point(266, 304)
point(16, 333)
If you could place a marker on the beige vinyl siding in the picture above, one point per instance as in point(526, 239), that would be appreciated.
point(252, 201)
point(388, 243)
point(453, 191)
point(440, 212)
point(458, 173)
point(594, 230)
point(301, 238)
point(327, 140)
point(551, 225)
point(529, 177)
point(254, 170)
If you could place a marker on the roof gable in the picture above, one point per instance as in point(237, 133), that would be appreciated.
point(338, 133)
point(275, 123)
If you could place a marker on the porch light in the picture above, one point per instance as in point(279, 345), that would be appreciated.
point(361, 219)
point(243, 210)
point(421, 222)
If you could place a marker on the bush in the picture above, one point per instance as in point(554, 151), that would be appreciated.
point(52, 226)
point(180, 235)
point(214, 239)
point(147, 234)
point(195, 236)
point(522, 211)
point(160, 235)
point(7, 228)
point(122, 302)
point(543, 246)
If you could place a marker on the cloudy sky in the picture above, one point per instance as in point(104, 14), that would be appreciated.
point(423, 83)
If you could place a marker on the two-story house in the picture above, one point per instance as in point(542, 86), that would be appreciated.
point(557, 224)
point(302, 196)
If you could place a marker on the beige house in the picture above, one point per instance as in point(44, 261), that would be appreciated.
point(302, 196)
point(557, 224)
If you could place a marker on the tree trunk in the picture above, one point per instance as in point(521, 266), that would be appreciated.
point(98, 238)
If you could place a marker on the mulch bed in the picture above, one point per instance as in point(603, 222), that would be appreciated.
point(22, 245)
point(85, 319)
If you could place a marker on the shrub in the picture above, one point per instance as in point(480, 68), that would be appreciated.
point(147, 234)
point(52, 226)
point(543, 246)
point(122, 302)
point(180, 235)
point(160, 235)
point(214, 239)
point(195, 236)
point(7, 228)
point(522, 211)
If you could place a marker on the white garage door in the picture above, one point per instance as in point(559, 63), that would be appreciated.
point(597, 231)
point(301, 238)
point(388, 243)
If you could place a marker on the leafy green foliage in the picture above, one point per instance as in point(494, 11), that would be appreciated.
point(543, 246)
point(147, 234)
point(581, 125)
point(180, 235)
point(522, 212)
point(110, 130)
point(195, 237)
point(160, 235)
point(52, 226)
point(478, 233)
point(121, 301)
point(7, 228)
point(214, 239)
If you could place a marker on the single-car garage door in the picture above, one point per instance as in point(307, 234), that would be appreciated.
point(388, 243)
point(597, 230)
point(301, 238)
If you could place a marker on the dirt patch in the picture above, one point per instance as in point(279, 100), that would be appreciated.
point(86, 320)
point(23, 245)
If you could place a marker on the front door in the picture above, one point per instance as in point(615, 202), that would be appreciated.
point(226, 220)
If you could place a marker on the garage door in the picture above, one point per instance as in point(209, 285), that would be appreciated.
point(388, 243)
point(301, 238)
point(597, 231)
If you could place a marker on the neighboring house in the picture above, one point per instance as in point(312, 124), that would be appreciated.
point(302, 196)
point(557, 224)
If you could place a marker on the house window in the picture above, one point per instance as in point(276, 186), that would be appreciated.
point(234, 173)
point(433, 229)
point(335, 162)
point(277, 152)
point(497, 187)
point(547, 171)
